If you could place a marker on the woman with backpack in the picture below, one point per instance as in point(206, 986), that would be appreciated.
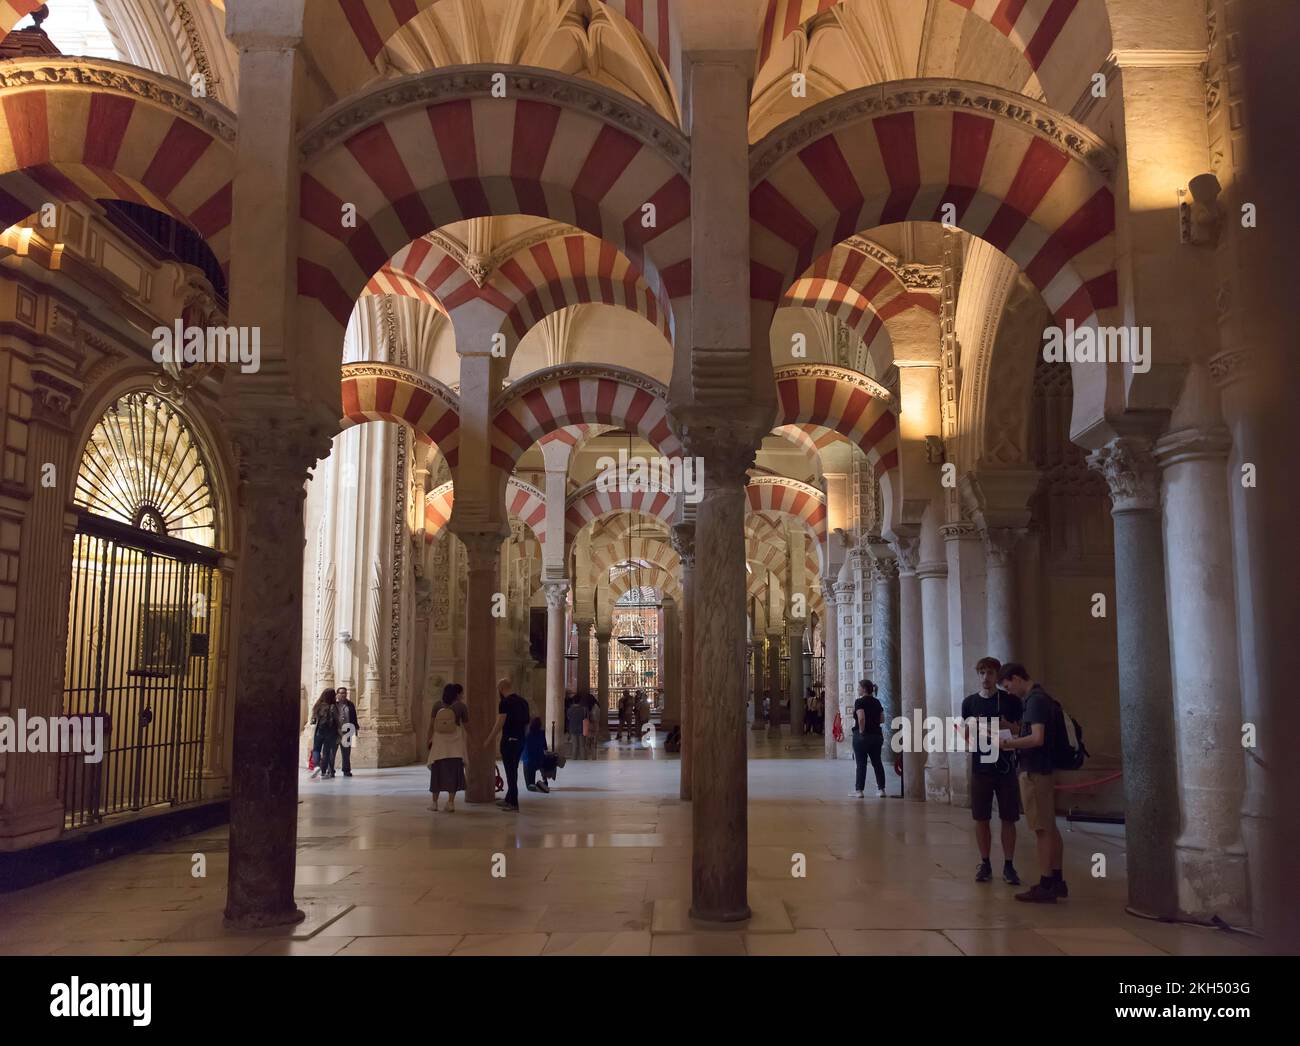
point(534, 758)
point(446, 742)
point(325, 738)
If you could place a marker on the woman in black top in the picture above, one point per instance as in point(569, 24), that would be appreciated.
point(868, 738)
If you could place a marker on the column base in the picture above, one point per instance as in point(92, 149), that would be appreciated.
point(263, 920)
point(735, 915)
point(1213, 883)
point(936, 785)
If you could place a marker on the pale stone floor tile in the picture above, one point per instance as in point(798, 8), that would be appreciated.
point(628, 942)
point(891, 942)
point(594, 917)
point(501, 944)
point(1185, 939)
point(698, 944)
point(319, 915)
point(215, 946)
point(1099, 940)
point(102, 948)
point(313, 946)
point(801, 942)
point(1002, 942)
point(439, 944)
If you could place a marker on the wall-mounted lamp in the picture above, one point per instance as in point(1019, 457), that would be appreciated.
point(1199, 214)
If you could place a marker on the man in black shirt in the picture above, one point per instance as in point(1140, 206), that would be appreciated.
point(512, 725)
point(992, 709)
point(868, 738)
point(347, 715)
point(1038, 781)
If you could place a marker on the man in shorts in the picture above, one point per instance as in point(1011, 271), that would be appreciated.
point(985, 712)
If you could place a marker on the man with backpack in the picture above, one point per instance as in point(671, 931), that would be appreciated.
point(1041, 735)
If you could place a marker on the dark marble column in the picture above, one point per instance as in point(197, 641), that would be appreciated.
point(1145, 686)
point(911, 667)
point(885, 639)
point(683, 539)
point(759, 683)
point(774, 683)
point(483, 563)
point(273, 463)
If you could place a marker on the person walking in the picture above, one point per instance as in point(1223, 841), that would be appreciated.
point(325, 737)
point(643, 715)
point(594, 724)
point(348, 727)
point(868, 738)
point(576, 723)
point(534, 756)
point(1035, 748)
point(511, 726)
point(446, 743)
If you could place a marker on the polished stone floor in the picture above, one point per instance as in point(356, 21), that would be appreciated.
point(602, 866)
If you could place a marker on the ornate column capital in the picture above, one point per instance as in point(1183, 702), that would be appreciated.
point(274, 451)
point(908, 552)
point(828, 590)
point(557, 594)
point(886, 570)
point(682, 536)
point(604, 637)
point(1000, 544)
point(1193, 444)
point(1228, 368)
point(482, 549)
point(1131, 472)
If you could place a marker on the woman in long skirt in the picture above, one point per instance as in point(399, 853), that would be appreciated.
point(447, 752)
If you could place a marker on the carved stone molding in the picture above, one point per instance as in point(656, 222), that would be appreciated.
point(913, 277)
point(841, 374)
point(392, 96)
point(1229, 367)
point(932, 569)
point(961, 531)
point(578, 370)
point(1193, 445)
point(195, 41)
point(53, 398)
point(911, 95)
point(119, 78)
point(1131, 472)
point(436, 389)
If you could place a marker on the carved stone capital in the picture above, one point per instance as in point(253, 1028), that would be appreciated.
point(1131, 472)
point(886, 570)
point(728, 453)
point(482, 549)
point(682, 537)
point(557, 594)
point(828, 591)
point(275, 451)
point(908, 552)
point(1228, 368)
point(1000, 544)
point(960, 531)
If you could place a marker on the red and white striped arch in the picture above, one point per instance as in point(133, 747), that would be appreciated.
point(615, 528)
point(383, 392)
point(848, 283)
point(588, 504)
point(389, 280)
point(652, 577)
point(74, 143)
point(575, 436)
point(524, 502)
point(576, 394)
point(415, 167)
point(814, 394)
point(782, 496)
point(646, 549)
point(351, 33)
point(1063, 31)
point(1048, 210)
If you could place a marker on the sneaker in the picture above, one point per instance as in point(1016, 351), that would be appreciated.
point(1009, 875)
point(531, 787)
point(984, 873)
point(347, 773)
point(1038, 894)
point(1062, 891)
point(513, 809)
point(542, 786)
point(856, 795)
point(880, 793)
point(315, 773)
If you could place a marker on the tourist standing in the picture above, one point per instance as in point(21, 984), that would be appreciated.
point(868, 738)
point(577, 721)
point(1034, 748)
point(348, 727)
point(325, 737)
point(511, 726)
point(446, 744)
point(993, 710)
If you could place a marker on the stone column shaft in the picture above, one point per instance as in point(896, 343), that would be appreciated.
point(794, 643)
point(831, 631)
point(602, 682)
point(759, 683)
point(483, 570)
point(556, 603)
point(933, 577)
point(911, 676)
point(683, 539)
point(1002, 594)
point(774, 681)
point(1145, 688)
point(885, 639)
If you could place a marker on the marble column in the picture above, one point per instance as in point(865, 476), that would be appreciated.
point(933, 578)
point(967, 635)
point(885, 639)
point(602, 683)
point(1210, 858)
point(683, 541)
point(794, 643)
point(911, 669)
point(759, 683)
point(672, 678)
point(1002, 594)
point(483, 570)
point(847, 677)
point(774, 683)
point(557, 597)
point(273, 463)
point(584, 656)
point(719, 854)
point(1145, 687)
point(831, 631)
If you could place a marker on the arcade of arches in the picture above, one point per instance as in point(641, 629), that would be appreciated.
point(483, 246)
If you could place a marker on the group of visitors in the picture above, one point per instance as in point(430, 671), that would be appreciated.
point(814, 713)
point(634, 712)
point(582, 724)
point(334, 722)
point(1026, 721)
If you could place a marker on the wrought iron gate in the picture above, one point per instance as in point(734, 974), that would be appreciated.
point(142, 617)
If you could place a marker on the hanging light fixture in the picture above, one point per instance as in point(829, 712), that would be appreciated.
point(635, 639)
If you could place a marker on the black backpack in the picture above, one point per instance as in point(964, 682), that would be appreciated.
point(1068, 750)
